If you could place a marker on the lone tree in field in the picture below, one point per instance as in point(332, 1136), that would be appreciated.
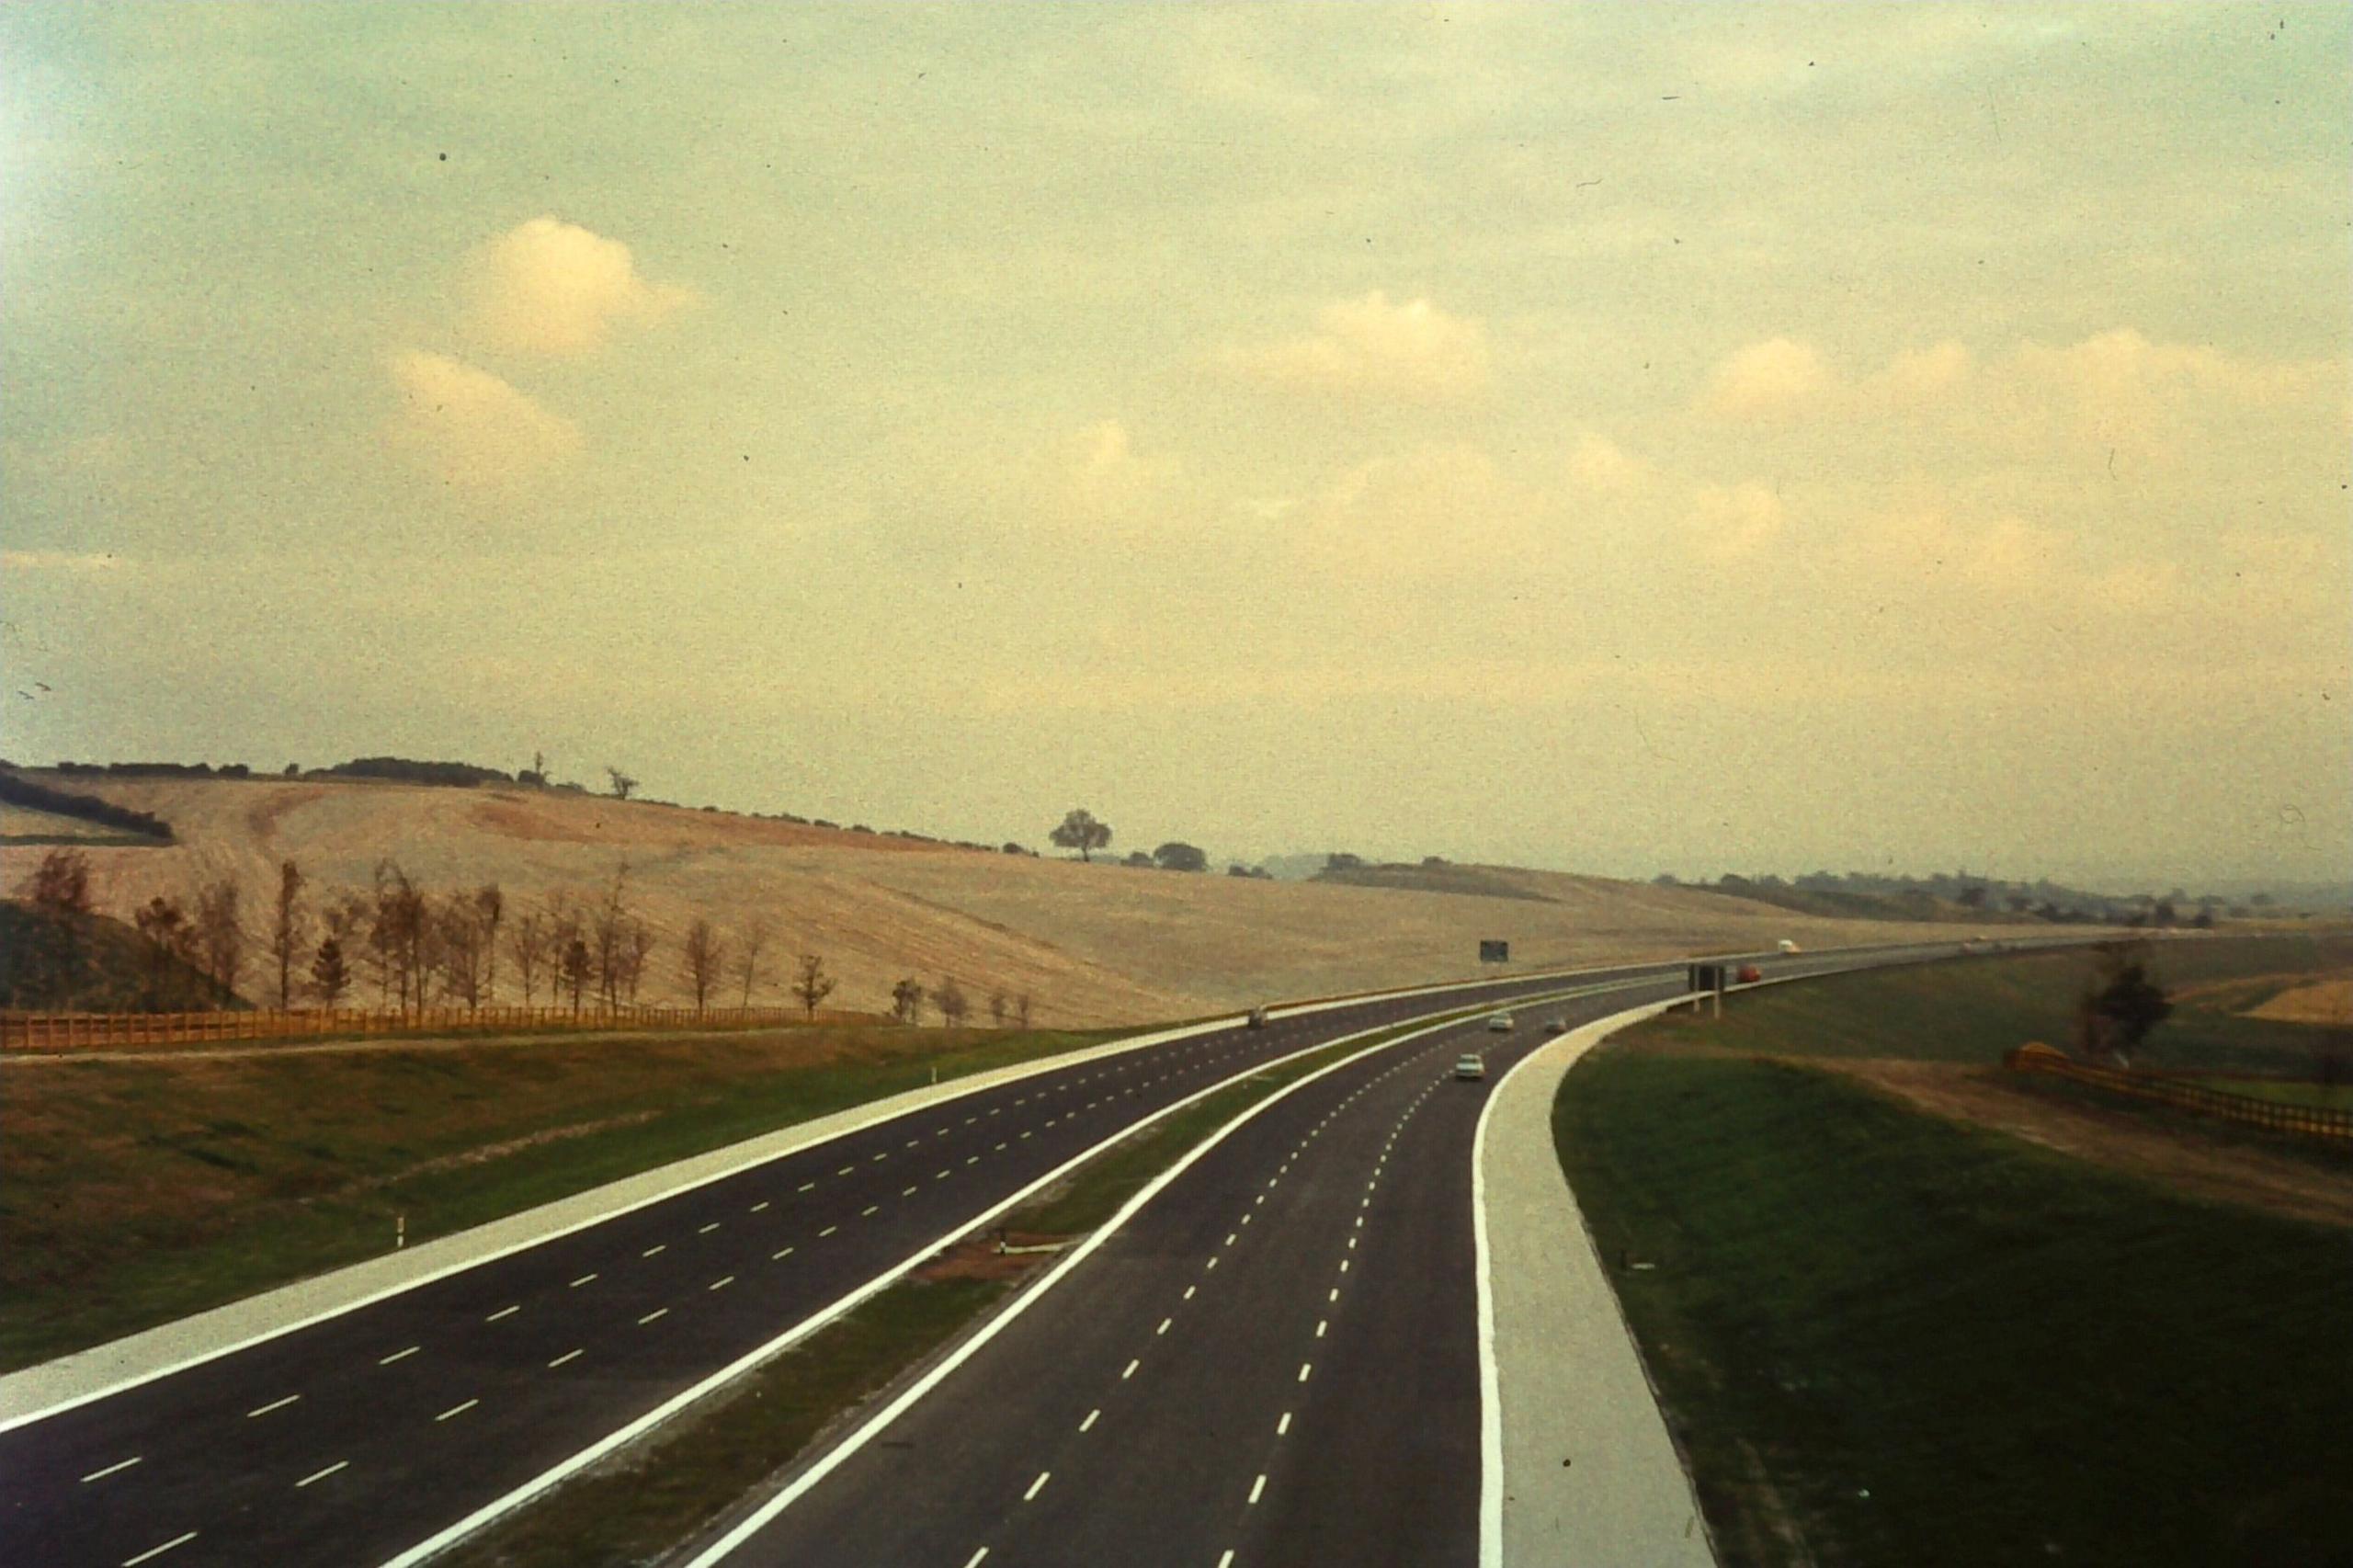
point(953, 1004)
point(623, 785)
point(59, 884)
point(906, 1001)
point(2120, 1005)
point(286, 928)
point(813, 985)
point(1179, 857)
point(330, 976)
point(701, 957)
point(1081, 832)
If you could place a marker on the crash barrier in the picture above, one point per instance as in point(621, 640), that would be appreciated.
point(2278, 1116)
point(100, 1031)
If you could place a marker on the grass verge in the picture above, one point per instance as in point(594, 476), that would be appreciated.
point(132, 1194)
point(1882, 1337)
point(665, 1489)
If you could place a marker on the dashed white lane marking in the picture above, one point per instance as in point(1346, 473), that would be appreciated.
point(845, 1170)
point(1344, 1265)
point(912, 1143)
point(567, 1356)
point(1036, 1486)
point(504, 1312)
point(1213, 1263)
point(972, 1159)
point(940, 1175)
point(760, 1205)
point(1352, 1244)
point(1282, 1427)
point(1320, 1324)
point(720, 1283)
point(1130, 1371)
point(457, 1410)
point(880, 1157)
point(706, 1230)
point(323, 1474)
point(581, 1281)
point(1226, 1560)
point(158, 1551)
point(805, 1186)
point(1305, 1368)
point(1028, 1135)
point(977, 1558)
point(1257, 1488)
point(1335, 1295)
point(120, 1464)
point(908, 1192)
point(660, 1248)
point(1164, 1325)
point(1229, 1237)
point(656, 1313)
point(1188, 1292)
point(273, 1404)
point(1000, 1146)
point(870, 1211)
point(780, 1256)
point(398, 1356)
point(1092, 1416)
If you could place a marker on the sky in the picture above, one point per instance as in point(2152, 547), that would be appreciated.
point(1614, 438)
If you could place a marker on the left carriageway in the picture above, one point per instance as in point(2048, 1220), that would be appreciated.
point(372, 1435)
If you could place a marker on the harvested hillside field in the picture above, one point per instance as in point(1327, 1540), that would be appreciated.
point(1088, 944)
point(2322, 1001)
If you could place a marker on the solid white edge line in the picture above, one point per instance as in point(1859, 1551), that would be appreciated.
point(874, 1425)
point(444, 1538)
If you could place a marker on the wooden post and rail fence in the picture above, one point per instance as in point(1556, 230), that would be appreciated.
point(2278, 1116)
point(103, 1031)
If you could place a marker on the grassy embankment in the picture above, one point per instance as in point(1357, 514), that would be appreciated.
point(660, 1491)
point(133, 1193)
point(1886, 1337)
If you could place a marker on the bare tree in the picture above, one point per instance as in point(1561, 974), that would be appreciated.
point(906, 1001)
point(815, 984)
point(458, 948)
point(575, 967)
point(747, 953)
point(525, 943)
point(1021, 1010)
point(623, 785)
point(330, 976)
point(996, 1009)
point(634, 957)
point(171, 939)
point(704, 953)
point(565, 932)
point(59, 884)
point(289, 930)
point(221, 934)
point(949, 998)
point(490, 909)
point(610, 933)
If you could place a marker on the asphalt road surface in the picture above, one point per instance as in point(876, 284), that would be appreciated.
point(351, 1440)
point(1275, 1361)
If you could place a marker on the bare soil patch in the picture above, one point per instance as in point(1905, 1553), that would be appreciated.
point(2178, 1155)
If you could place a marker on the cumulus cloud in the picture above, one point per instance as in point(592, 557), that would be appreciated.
point(1100, 473)
point(1773, 380)
point(469, 426)
point(549, 287)
point(1597, 462)
point(2005, 555)
point(1370, 347)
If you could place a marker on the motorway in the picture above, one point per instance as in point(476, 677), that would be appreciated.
point(1274, 1361)
point(360, 1437)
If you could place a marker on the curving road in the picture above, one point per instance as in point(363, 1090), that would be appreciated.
point(372, 1435)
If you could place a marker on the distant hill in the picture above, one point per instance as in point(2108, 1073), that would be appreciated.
point(1089, 946)
point(1430, 876)
point(91, 963)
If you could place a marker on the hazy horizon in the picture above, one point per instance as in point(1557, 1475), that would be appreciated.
point(1620, 440)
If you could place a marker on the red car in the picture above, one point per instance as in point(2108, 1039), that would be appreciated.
point(1749, 974)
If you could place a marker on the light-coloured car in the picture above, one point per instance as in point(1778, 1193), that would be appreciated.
point(1786, 946)
point(1470, 1067)
point(1499, 1023)
point(1557, 1026)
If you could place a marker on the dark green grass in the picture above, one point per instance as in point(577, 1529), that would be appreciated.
point(1922, 1344)
point(1974, 1009)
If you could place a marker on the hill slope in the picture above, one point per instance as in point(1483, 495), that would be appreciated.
point(1093, 944)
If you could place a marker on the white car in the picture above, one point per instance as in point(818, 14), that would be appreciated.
point(1499, 1023)
point(1470, 1067)
point(1786, 946)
